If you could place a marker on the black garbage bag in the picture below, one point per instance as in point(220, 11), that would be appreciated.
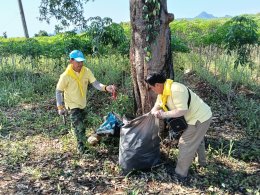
point(139, 147)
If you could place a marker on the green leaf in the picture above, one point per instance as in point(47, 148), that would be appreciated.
point(147, 59)
point(145, 8)
point(158, 6)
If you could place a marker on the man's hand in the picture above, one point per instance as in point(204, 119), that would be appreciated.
point(158, 114)
point(62, 110)
point(111, 88)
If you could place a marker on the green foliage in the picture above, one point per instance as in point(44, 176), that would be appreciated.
point(178, 45)
point(96, 30)
point(236, 35)
point(110, 70)
point(16, 153)
point(127, 29)
point(55, 47)
point(242, 31)
point(103, 32)
point(248, 114)
point(101, 37)
point(9, 97)
point(151, 17)
point(4, 35)
point(247, 109)
point(41, 33)
point(123, 105)
point(197, 32)
point(67, 12)
point(23, 85)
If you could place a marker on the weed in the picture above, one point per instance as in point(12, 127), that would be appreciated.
point(248, 114)
point(230, 150)
point(35, 173)
point(15, 153)
point(134, 192)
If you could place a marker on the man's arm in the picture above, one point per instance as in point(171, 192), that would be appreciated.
point(173, 113)
point(101, 87)
point(158, 112)
point(59, 98)
point(60, 102)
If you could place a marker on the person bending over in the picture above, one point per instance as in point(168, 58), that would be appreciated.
point(172, 101)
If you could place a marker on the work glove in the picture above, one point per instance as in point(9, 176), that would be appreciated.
point(112, 89)
point(62, 111)
point(94, 139)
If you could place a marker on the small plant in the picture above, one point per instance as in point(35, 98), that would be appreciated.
point(35, 173)
point(230, 150)
point(134, 192)
point(15, 153)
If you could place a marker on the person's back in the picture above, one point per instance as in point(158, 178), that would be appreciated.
point(198, 109)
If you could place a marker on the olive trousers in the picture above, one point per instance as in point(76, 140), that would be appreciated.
point(78, 120)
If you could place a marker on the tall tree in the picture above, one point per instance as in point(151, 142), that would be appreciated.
point(26, 34)
point(150, 49)
point(150, 44)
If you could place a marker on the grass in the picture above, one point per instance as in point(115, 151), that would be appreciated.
point(238, 85)
point(15, 154)
point(38, 152)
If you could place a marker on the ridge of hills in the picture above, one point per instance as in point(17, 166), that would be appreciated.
point(205, 15)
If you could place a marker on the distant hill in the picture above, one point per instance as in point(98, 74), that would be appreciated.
point(227, 16)
point(205, 15)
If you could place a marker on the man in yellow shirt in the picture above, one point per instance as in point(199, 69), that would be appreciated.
point(172, 102)
point(71, 94)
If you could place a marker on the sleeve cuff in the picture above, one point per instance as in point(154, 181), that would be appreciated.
point(60, 107)
point(104, 88)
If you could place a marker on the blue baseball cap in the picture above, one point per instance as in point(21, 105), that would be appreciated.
point(77, 55)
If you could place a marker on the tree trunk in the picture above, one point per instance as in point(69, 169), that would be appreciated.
point(161, 55)
point(26, 34)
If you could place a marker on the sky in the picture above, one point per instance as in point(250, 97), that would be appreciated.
point(118, 10)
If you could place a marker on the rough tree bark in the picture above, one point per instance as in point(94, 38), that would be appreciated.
point(161, 60)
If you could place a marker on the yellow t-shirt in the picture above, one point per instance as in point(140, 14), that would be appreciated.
point(72, 94)
point(198, 109)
